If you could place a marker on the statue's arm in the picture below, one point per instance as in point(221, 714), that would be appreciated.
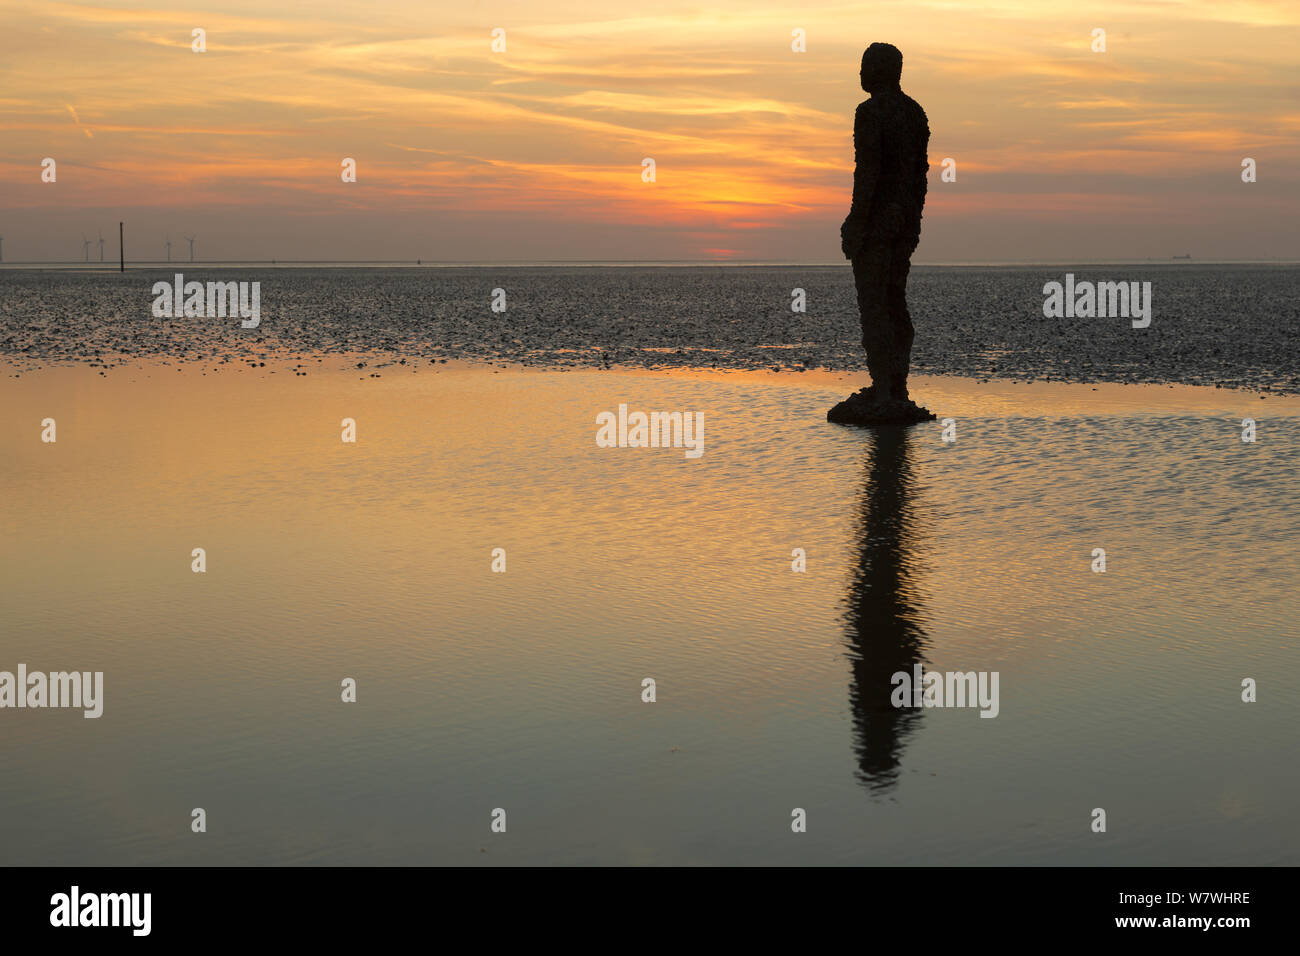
point(866, 173)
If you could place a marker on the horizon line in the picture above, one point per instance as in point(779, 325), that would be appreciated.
point(107, 265)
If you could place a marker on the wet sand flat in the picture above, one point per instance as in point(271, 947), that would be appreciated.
point(1229, 325)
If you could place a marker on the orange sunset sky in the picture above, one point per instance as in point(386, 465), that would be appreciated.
point(534, 153)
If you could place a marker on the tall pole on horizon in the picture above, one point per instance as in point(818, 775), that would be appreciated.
point(2, 248)
point(101, 245)
point(191, 242)
point(121, 250)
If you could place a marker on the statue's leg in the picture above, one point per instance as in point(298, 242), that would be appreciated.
point(900, 319)
point(871, 269)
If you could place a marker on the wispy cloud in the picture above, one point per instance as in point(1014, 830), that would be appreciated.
point(747, 134)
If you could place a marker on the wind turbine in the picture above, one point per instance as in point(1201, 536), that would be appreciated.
point(85, 247)
point(101, 245)
point(169, 248)
point(2, 248)
point(191, 239)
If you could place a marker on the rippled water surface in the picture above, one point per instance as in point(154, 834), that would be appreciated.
point(479, 690)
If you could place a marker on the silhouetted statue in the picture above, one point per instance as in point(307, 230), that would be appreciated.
point(890, 139)
point(884, 610)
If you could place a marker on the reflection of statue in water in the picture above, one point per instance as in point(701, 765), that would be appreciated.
point(883, 614)
point(890, 139)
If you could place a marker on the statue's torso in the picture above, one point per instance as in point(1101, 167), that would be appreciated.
point(896, 128)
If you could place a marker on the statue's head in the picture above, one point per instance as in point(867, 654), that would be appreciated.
point(882, 67)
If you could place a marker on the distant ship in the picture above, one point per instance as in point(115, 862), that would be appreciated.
point(1180, 257)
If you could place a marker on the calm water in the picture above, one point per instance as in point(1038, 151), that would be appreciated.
point(522, 690)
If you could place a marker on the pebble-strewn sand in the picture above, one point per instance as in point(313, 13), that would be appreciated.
point(1231, 326)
